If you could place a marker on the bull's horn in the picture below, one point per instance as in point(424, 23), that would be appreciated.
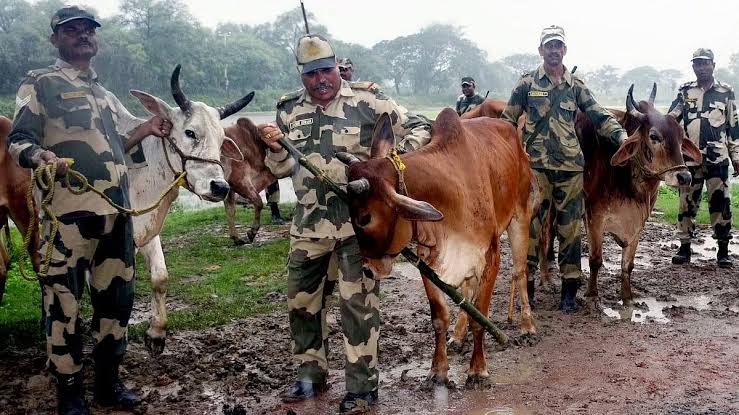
point(653, 94)
point(346, 158)
point(677, 110)
point(631, 106)
point(235, 106)
point(179, 96)
point(359, 186)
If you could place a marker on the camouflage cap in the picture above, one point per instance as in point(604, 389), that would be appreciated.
point(468, 80)
point(314, 52)
point(703, 53)
point(551, 33)
point(346, 63)
point(69, 13)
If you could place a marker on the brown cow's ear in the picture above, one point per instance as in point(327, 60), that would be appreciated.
point(154, 105)
point(413, 209)
point(627, 150)
point(230, 150)
point(691, 150)
point(383, 137)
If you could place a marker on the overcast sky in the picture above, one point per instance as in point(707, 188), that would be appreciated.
point(623, 33)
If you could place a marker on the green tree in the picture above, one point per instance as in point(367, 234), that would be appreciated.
point(522, 62)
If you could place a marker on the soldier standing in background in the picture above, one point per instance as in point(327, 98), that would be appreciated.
point(469, 99)
point(326, 116)
point(346, 69)
point(707, 111)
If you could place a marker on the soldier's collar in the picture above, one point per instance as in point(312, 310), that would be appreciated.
point(73, 73)
point(542, 73)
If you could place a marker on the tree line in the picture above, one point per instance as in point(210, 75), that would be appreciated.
point(141, 44)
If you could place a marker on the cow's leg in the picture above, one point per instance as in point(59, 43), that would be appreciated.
point(440, 321)
point(518, 235)
point(157, 332)
point(627, 265)
point(463, 321)
point(4, 257)
point(246, 189)
point(230, 205)
point(478, 372)
point(595, 225)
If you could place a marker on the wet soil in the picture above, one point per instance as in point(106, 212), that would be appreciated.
point(684, 362)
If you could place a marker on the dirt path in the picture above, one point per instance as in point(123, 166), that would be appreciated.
point(684, 360)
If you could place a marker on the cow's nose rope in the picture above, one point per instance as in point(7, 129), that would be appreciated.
point(43, 178)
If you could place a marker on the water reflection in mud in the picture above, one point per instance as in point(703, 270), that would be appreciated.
point(649, 309)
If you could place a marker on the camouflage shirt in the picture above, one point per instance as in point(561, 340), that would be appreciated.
point(710, 121)
point(345, 124)
point(550, 137)
point(67, 111)
point(465, 104)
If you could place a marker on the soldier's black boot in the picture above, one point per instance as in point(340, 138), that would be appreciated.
point(109, 390)
point(276, 217)
point(569, 294)
point(722, 257)
point(71, 395)
point(531, 290)
point(303, 390)
point(683, 254)
point(357, 403)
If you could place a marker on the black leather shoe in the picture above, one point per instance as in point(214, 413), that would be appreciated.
point(276, 217)
point(357, 403)
point(110, 391)
point(722, 256)
point(568, 304)
point(683, 255)
point(303, 390)
point(71, 395)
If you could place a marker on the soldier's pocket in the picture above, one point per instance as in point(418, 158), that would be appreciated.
point(76, 112)
point(347, 139)
point(717, 115)
point(299, 136)
point(566, 120)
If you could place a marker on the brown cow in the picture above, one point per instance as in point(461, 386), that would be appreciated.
point(621, 184)
point(469, 185)
point(13, 188)
point(492, 108)
point(246, 177)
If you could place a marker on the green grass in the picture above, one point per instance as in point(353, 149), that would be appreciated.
point(216, 281)
point(668, 203)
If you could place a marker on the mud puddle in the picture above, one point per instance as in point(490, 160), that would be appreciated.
point(650, 309)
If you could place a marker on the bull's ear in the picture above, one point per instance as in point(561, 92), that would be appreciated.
point(383, 138)
point(230, 150)
point(691, 150)
point(628, 149)
point(413, 209)
point(153, 104)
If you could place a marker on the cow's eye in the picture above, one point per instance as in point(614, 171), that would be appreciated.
point(655, 137)
point(190, 133)
point(365, 220)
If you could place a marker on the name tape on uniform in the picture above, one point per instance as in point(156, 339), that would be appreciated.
point(538, 93)
point(300, 123)
point(71, 95)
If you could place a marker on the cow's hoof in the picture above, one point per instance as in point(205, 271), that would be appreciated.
point(155, 345)
point(239, 241)
point(251, 234)
point(477, 382)
point(436, 380)
point(592, 305)
point(526, 340)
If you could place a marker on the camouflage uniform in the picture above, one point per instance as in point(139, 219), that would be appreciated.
point(465, 104)
point(556, 157)
point(710, 121)
point(67, 111)
point(321, 226)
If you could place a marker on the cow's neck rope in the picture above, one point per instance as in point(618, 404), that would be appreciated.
point(647, 173)
point(184, 158)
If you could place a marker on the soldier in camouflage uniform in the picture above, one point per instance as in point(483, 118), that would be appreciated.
point(346, 69)
point(327, 116)
point(469, 99)
point(550, 95)
point(707, 111)
point(63, 112)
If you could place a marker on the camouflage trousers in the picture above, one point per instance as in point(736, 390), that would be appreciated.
point(102, 246)
point(716, 180)
point(563, 190)
point(273, 192)
point(308, 287)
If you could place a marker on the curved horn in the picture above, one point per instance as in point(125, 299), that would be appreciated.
point(179, 97)
point(346, 158)
point(359, 186)
point(235, 106)
point(653, 94)
point(632, 107)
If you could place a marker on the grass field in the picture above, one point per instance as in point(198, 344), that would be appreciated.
point(214, 281)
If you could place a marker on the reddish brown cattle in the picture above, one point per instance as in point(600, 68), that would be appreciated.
point(246, 177)
point(621, 184)
point(14, 182)
point(492, 108)
point(464, 189)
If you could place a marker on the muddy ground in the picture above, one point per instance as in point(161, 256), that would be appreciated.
point(683, 359)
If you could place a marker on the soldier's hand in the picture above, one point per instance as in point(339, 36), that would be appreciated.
point(47, 157)
point(159, 126)
point(270, 134)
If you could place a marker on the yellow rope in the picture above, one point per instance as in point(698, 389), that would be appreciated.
point(43, 178)
point(397, 161)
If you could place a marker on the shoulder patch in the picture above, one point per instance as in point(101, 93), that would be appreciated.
point(22, 102)
point(289, 97)
point(366, 85)
point(724, 85)
point(35, 73)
